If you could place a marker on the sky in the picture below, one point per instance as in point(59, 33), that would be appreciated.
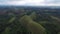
point(31, 2)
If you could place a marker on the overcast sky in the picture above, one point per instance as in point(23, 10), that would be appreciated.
point(31, 2)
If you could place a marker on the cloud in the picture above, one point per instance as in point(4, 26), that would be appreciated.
point(22, 2)
point(13, 3)
point(43, 3)
point(31, 2)
point(9, 0)
point(34, 2)
point(53, 1)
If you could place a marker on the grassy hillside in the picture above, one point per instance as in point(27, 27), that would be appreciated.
point(29, 21)
point(32, 26)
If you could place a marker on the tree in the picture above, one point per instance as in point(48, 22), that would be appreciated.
point(58, 32)
point(7, 31)
point(33, 15)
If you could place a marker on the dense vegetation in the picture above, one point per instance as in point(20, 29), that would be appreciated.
point(15, 20)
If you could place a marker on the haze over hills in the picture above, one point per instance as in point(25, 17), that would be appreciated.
point(52, 7)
